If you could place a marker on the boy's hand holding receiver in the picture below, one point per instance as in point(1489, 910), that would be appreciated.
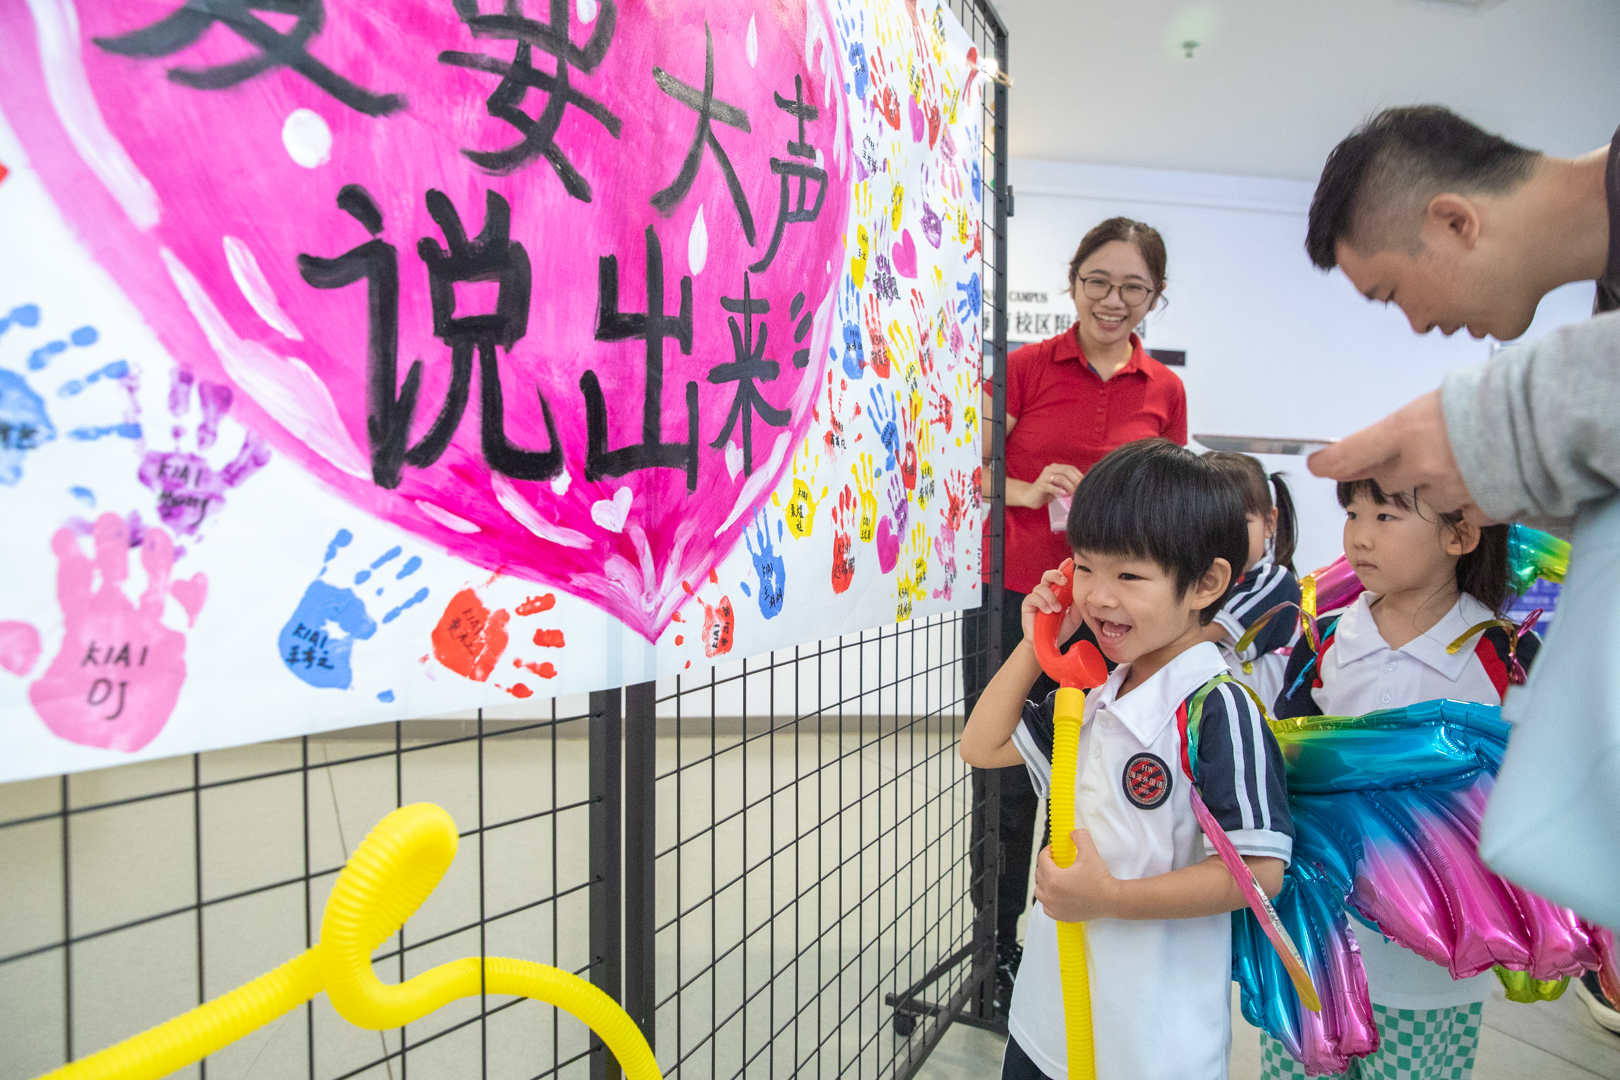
point(1043, 600)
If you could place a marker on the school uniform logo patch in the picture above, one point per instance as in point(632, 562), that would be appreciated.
point(1147, 781)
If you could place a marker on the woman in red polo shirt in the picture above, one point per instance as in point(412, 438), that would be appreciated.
point(1070, 400)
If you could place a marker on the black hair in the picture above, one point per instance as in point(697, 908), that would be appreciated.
point(1152, 499)
point(1481, 573)
point(1261, 495)
point(1377, 183)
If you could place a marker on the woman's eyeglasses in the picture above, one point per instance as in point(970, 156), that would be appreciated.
point(1098, 288)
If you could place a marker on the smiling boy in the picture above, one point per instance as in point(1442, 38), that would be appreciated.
point(1156, 533)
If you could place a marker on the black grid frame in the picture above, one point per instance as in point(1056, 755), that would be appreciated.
point(816, 920)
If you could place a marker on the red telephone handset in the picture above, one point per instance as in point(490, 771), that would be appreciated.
point(1080, 668)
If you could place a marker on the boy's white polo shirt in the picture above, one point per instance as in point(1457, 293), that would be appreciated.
point(1160, 990)
point(1361, 674)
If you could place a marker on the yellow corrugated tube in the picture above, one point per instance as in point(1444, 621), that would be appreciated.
point(395, 868)
point(1071, 936)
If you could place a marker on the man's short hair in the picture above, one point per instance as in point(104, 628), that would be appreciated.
point(1377, 183)
point(1154, 500)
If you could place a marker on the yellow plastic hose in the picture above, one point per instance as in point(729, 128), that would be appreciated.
point(1071, 936)
point(395, 868)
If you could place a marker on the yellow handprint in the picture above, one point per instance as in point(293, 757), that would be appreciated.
point(801, 508)
point(896, 201)
point(902, 599)
point(914, 397)
point(961, 225)
point(866, 484)
point(970, 411)
point(925, 473)
point(922, 546)
point(857, 263)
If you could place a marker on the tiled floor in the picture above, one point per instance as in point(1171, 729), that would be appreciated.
point(1552, 1040)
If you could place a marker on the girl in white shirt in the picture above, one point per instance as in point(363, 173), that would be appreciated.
point(1268, 578)
point(1431, 580)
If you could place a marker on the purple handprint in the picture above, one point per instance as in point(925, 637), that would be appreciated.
point(892, 526)
point(188, 488)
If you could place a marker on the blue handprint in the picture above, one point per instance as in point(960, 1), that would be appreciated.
point(307, 643)
point(884, 412)
point(21, 315)
point(972, 302)
point(22, 418)
point(24, 426)
point(857, 64)
point(849, 310)
point(768, 566)
point(978, 177)
point(83, 337)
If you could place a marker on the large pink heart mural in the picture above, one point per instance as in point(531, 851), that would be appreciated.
point(547, 282)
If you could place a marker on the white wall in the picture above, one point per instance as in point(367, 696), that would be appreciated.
point(1274, 346)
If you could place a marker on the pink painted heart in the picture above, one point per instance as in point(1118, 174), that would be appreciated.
point(459, 283)
point(904, 253)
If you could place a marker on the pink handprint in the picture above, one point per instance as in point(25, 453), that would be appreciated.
point(892, 526)
point(120, 670)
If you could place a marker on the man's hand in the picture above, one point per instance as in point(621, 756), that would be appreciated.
point(1407, 450)
point(1080, 892)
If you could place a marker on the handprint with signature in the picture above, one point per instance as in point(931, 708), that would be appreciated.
point(120, 670)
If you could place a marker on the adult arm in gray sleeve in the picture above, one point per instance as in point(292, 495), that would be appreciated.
point(1536, 430)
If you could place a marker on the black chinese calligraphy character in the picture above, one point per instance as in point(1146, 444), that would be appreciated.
point(795, 170)
point(651, 326)
point(391, 407)
point(801, 357)
point(708, 110)
point(747, 367)
point(489, 256)
point(388, 418)
point(519, 77)
point(290, 50)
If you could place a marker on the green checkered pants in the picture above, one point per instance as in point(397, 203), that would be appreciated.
point(1436, 1044)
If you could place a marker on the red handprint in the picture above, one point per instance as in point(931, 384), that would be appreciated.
point(879, 359)
point(834, 438)
point(956, 498)
point(925, 333)
point(908, 463)
point(718, 621)
point(843, 550)
point(120, 670)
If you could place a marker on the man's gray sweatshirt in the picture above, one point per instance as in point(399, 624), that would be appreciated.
point(1536, 429)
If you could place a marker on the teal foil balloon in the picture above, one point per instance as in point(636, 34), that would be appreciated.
point(1386, 812)
point(1535, 554)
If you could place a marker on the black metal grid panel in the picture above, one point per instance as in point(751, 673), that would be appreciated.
point(811, 859)
point(131, 894)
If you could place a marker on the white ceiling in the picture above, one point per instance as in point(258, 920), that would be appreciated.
point(1275, 84)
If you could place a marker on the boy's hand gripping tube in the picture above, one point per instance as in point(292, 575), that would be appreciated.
point(1081, 667)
